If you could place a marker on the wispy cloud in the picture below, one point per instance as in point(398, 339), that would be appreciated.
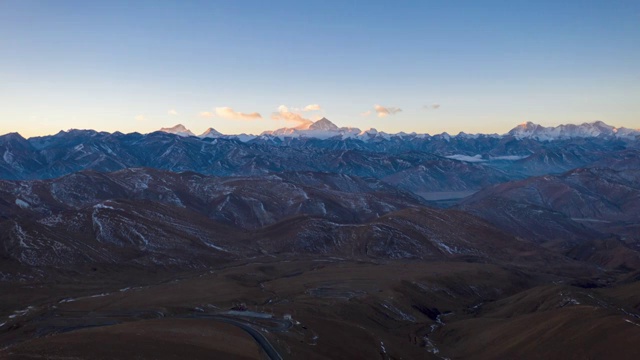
point(386, 111)
point(286, 115)
point(312, 107)
point(172, 112)
point(229, 113)
point(140, 118)
point(366, 113)
point(432, 107)
point(206, 114)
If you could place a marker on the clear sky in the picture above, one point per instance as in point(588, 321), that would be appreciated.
point(473, 66)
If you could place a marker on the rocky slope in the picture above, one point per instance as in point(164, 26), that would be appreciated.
point(69, 152)
point(147, 217)
point(320, 146)
point(581, 204)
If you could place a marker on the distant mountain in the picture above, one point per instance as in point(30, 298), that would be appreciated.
point(442, 173)
point(570, 131)
point(179, 130)
point(210, 133)
point(19, 156)
point(323, 125)
point(321, 129)
point(325, 129)
point(430, 163)
point(244, 202)
point(560, 156)
point(69, 152)
point(579, 205)
point(150, 217)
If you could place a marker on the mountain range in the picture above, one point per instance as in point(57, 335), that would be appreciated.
point(378, 155)
point(408, 245)
point(563, 185)
point(325, 129)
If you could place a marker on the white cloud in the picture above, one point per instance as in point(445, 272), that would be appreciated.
point(286, 115)
point(312, 107)
point(172, 112)
point(228, 113)
point(386, 111)
point(366, 113)
point(206, 114)
point(283, 108)
point(141, 118)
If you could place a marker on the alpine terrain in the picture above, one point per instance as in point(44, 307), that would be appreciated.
point(321, 242)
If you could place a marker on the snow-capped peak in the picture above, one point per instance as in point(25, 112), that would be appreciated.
point(323, 124)
point(321, 129)
point(569, 131)
point(211, 133)
point(179, 130)
point(371, 131)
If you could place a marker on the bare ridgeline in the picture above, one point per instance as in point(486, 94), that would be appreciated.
point(321, 243)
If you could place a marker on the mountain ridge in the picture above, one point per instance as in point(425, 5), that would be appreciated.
point(498, 158)
point(179, 130)
point(569, 131)
point(325, 129)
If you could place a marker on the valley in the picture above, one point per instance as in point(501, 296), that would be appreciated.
point(307, 307)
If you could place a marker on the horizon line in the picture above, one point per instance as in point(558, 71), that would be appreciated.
point(266, 132)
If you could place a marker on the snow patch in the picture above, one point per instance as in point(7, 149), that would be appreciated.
point(51, 220)
point(99, 295)
point(20, 313)
point(22, 204)
point(631, 322)
point(590, 220)
point(466, 158)
point(509, 157)
point(8, 156)
point(22, 236)
point(215, 246)
point(447, 248)
point(403, 316)
point(103, 206)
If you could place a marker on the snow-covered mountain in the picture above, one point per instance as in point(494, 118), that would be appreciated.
point(211, 133)
point(570, 131)
point(321, 129)
point(179, 130)
point(323, 125)
point(324, 129)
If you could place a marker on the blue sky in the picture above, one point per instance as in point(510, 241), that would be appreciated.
point(489, 65)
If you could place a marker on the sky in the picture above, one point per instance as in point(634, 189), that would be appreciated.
point(249, 66)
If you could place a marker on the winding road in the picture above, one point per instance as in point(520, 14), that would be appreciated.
point(113, 318)
point(271, 352)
